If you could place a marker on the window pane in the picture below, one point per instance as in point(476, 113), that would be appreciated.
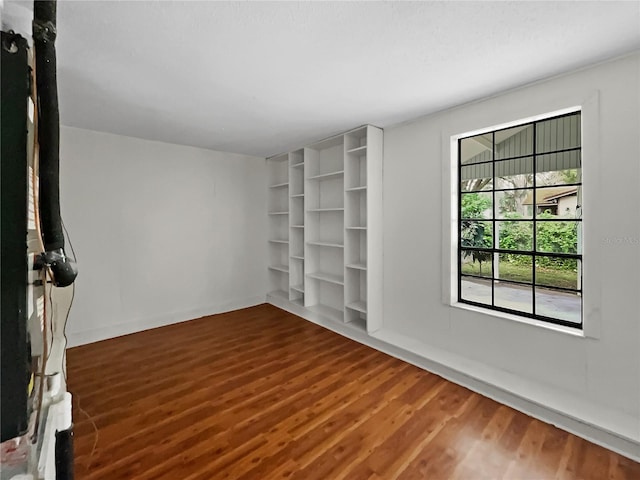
point(514, 142)
point(476, 234)
point(515, 173)
point(476, 177)
point(558, 304)
point(513, 296)
point(476, 149)
point(476, 290)
point(477, 205)
point(514, 204)
point(518, 268)
point(557, 202)
point(476, 262)
point(558, 133)
point(515, 235)
point(559, 168)
point(558, 272)
point(558, 237)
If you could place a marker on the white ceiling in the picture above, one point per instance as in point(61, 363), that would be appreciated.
point(266, 77)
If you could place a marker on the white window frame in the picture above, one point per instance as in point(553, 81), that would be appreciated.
point(451, 133)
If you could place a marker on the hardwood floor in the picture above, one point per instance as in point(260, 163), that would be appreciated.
point(262, 394)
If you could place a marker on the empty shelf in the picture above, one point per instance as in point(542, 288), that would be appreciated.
point(336, 209)
point(297, 226)
point(356, 189)
point(327, 277)
point(325, 176)
point(297, 257)
point(279, 294)
point(279, 268)
point(297, 195)
point(356, 228)
point(298, 288)
point(326, 244)
point(357, 266)
point(278, 213)
point(279, 241)
point(359, 306)
point(360, 150)
point(297, 165)
point(279, 185)
point(329, 312)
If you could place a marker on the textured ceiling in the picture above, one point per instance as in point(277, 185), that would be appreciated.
point(265, 77)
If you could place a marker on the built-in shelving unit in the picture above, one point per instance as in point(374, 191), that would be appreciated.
point(325, 206)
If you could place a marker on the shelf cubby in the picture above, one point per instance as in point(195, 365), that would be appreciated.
point(327, 277)
point(279, 268)
point(277, 170)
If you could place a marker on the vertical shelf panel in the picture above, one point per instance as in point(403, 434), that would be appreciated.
point(374, 228)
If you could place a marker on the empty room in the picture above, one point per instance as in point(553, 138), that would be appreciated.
point(320, 240)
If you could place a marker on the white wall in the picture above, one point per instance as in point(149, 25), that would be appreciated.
point(594, 379)
point(163, 233)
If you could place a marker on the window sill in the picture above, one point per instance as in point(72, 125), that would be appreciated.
point(573, 331)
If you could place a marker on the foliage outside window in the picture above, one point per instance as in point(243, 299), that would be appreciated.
point(520, 222)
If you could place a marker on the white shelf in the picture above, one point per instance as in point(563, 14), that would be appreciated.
point(297, 195)
point(278, 213)
point(329, 312)
point(297, 226)
point(357, 266)
point(279, 268)
point(337, 209)
point(326, 244)
point(362, 149)
point(301, 164)
point(279, 185)
point(279, 241)
point(325, 176)
point(327, 277)
point(279, 294)
point(356, 228)
point(356, 189)
point(298, 288)
point(359, 306)
point(297, 257)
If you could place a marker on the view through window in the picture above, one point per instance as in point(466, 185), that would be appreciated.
point(520, 220)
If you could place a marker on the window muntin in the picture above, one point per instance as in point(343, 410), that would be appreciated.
point(520, 225)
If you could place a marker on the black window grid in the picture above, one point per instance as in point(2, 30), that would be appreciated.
point(534, 219)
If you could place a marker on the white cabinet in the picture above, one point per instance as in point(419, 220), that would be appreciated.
point(325, 202)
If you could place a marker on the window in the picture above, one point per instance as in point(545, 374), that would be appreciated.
point(520, 221)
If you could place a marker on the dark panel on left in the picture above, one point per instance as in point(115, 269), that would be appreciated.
point(14, 354)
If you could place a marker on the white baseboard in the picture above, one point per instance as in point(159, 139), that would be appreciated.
point(611, 429)
point(75, 339)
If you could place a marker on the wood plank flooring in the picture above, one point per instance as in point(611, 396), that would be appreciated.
point(262, 394)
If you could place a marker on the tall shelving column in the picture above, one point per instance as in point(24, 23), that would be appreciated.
point(355, 200)
point(296, 227)
point(324, 228)
point(363, 227)
point(278, 210)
